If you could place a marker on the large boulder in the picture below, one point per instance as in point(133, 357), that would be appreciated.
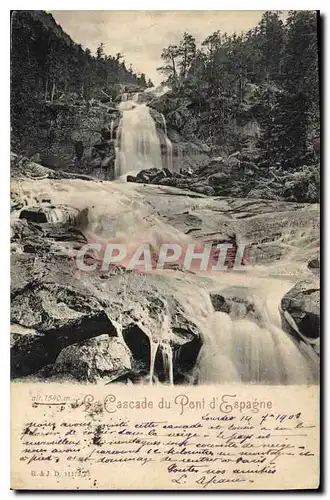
point(59, 310)
point(102, 358)
point(301, 308)
point(238, 302)
point(147, 175)
point(314, 263)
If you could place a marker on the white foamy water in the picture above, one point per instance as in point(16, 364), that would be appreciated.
point(169, 147)
point(138, 144)
point(250, 350)
point(253, 349)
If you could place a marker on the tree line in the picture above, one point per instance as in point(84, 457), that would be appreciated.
point(46, 64)
point(268, 74)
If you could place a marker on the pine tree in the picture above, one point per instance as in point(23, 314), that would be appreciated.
point(170, 57)
point(299, 103)
point(100, 52)
point(272, 40)
point(187, 54)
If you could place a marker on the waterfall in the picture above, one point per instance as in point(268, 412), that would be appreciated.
point(161, 342)
point(138, 144)
point(169, 149)
point(247, 350)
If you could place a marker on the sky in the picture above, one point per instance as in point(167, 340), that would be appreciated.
point(141, 35)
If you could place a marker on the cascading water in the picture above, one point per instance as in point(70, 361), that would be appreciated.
point(169, 148)
point(250, 350)
point(236, 349)
point(138, 144)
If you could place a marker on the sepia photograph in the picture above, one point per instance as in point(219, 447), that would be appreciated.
point(165, 171)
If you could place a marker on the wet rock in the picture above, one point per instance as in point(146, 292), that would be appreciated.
point(16, 248)
point(302, 303)
point(219, 303)
point(151, 172)
point(131, 178)
point(238, 303)
point(168, 172)
point(185, 358)
point(59, 310)
point(99, 358)
point(314, 263)
point(52, 214)
point(161, 174)
point(95, 163)
point(257, 193)
point(22, 229)
point(146, 176)
point(43, 198)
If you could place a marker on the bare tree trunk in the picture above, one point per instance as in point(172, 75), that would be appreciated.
point(53, 91)
point(46, 90)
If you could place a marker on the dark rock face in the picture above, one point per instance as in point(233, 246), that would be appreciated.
point(302, 303)
point(59, 310)
point(30, 351)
